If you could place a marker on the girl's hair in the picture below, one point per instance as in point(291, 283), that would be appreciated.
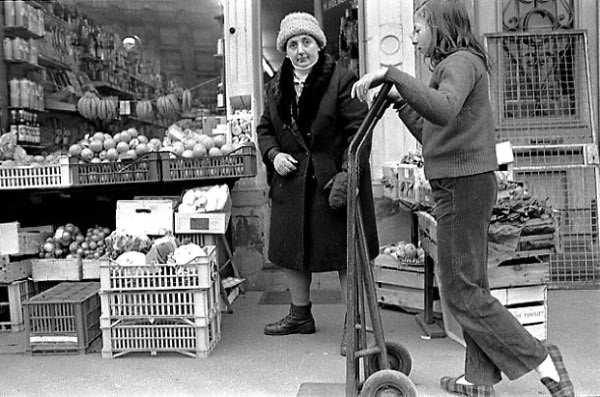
point(451, 30)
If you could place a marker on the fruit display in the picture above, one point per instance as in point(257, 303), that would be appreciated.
point(101, 147)
point(192, 143)
point(240, 127)
point(406, 253)
point(70, 243)
point(204, 199)
point(168, 105)
point(92, 107)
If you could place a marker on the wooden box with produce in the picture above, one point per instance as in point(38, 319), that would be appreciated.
point(399, 284)
point(204, 210)
point(62, 255)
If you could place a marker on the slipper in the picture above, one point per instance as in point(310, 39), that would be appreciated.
point(564, 388)
point(449, 384)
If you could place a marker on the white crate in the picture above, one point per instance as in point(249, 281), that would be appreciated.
point(152, 217)
point(196, 305)
point(178, 336)
point(199, 273)
point(36, 177)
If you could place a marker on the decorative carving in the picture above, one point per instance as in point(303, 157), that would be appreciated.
point(536, 15)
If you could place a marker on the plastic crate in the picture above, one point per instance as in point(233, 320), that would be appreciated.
point(238, 164)
point(143, 170)
point(36, 176)
point(199, 273)
point(176, 336)
point(65, 318)
point(195, 305)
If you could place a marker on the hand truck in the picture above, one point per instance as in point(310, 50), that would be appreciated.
point(382, 369)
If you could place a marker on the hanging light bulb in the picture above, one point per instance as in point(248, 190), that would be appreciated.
point(131, 42)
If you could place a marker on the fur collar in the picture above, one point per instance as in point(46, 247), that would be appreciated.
point(314, 87)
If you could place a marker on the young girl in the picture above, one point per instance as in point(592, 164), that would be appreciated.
point(452, 118)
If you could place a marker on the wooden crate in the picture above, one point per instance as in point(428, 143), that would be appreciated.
point(400, 286)
point(529, 305)
point(31, 238)
point(16, 293)
point(56, 269)
point(17, 240)
point(151, 217)
point(12, 271)
point(90, 268)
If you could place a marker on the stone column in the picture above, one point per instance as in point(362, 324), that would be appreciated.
point(387, 28)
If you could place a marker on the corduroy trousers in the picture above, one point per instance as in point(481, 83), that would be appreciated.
point(495, 340)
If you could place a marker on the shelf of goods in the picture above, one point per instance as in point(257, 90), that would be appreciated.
point(161, 308)
point(63, 319)
point(152, 167)
point(517, 275)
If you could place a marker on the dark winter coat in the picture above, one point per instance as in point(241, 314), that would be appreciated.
point(305, 233)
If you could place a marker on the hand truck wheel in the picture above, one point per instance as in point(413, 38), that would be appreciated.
point(398, 357)
point(388, 383)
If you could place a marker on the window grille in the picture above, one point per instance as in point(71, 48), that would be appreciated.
point(540, 87)
point(541, 98)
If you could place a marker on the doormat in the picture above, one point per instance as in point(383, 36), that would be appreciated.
point(317, 297)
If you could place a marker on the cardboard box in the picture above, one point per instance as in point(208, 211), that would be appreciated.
point(204, 222)
point(151, 217)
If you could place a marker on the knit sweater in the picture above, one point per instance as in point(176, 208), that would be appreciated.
point(452, 117)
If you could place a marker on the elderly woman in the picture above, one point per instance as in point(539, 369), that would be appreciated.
point(308, 122)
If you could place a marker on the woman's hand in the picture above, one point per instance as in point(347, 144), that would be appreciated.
point(284, 164)
point(360, 89)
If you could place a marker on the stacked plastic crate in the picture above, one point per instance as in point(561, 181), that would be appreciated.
point(161, 308)
point(63, 319)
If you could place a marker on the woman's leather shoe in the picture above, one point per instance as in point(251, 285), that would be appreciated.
point(298, 321)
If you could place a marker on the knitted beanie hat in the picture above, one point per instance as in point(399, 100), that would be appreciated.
point(296, 23)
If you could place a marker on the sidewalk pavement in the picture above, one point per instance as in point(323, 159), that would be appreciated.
point(247, 363)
